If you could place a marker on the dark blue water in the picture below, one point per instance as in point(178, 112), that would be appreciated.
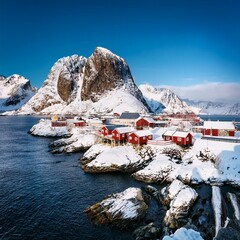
point(43, 196)
point(228, 118)
point(225, 118)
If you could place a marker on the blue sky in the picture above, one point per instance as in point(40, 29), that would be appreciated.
point(165, 42)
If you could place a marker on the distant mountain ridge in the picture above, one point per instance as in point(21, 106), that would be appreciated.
point(209, 107)
point(15, 91)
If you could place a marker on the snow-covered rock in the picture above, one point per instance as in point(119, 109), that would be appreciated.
point(101, 158)
point(15, 91)
point(184, 234)
point(74, 139)
point(181, 199)
point(119, 209)
point(44, 129)
point(150, 231)
point(217, 207)
point(100, 84)
point(163, 100)
point(234, 202)
point(191, 169)
point(80, 140)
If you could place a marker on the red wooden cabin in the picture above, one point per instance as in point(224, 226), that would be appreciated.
point(121, 133)
point(140, 137)
point(108, 129)
point(182, 138)
point(216, 128)
point(58, 123)
point(178, 137)
point(144, 122)
point(168, 135)
point(79, 124)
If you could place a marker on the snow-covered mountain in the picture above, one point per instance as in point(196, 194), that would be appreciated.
point(163, 100)
point(15, 91)
point(208, 107)
point(100, 84)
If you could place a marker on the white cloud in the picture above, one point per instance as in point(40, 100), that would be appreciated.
point(209, 91)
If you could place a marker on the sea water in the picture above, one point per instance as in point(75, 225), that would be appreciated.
point(43, 196)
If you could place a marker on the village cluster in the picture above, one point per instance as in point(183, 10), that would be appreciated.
point(136, 129)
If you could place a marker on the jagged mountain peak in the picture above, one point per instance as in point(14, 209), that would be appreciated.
point(76, 84)
point(104, 71)
point(163, 100)
point(15, 91)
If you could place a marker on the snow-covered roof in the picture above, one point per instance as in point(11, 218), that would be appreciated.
point(169, 133)
point(150, 120)
point(180, 134)
point(124, 129)
point(142, 133)
point(160, 122)
point(218, 125)
point(94, 120)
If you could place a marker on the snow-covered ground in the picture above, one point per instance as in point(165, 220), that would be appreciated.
point(184, 234)
point(191, 168)
point(226, 168)
point(119, 155)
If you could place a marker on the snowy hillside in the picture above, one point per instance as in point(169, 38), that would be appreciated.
point(207, 107)
point(163, 100)
point(14, 92)
point(100, 84)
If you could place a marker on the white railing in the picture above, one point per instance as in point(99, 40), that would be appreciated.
point(159, 142)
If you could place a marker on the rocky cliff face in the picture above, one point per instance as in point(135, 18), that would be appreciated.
point(14, 92)
point(100, 84)
point(163, 100)
point(61, 86)
point(105, 71)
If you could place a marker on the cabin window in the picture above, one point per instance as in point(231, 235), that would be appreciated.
point(144, 138)
point(167, 138)
point(130, 137)
point(187, 138)
point(117, 135)
point(122, 135)
point(179, 139)
point(149, 137)
point(113, 134)
point(136, 139)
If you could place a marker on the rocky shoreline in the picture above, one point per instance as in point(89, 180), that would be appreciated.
point(183, 210)
point(178, 198)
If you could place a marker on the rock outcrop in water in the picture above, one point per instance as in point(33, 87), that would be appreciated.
point(121, 210)
point(101, 158)
point(180, 198)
